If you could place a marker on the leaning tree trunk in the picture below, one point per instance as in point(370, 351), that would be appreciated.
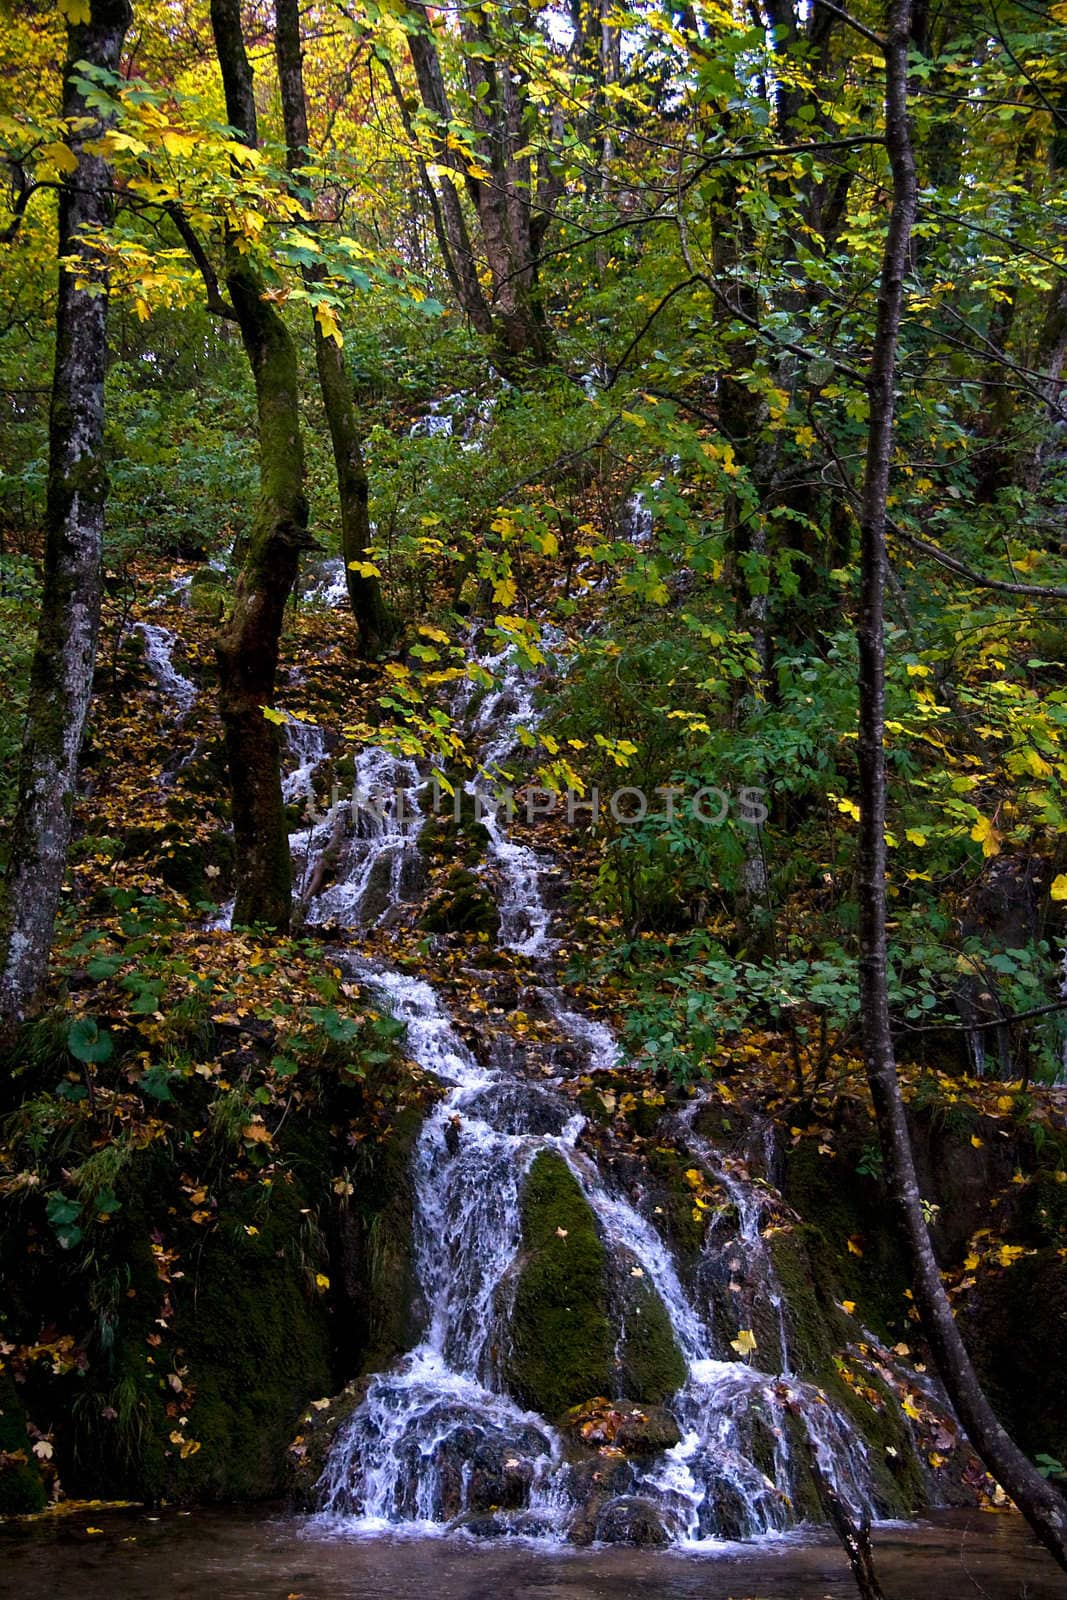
point(248, 641)
point(364, 589)
point(1043, 1507)
point(62, 675)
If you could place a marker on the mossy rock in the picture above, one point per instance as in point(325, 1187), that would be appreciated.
point(21, 1487)
point(1013, 1321)
point(562, 1340)
point(649, 1362)
point(209, 592)
point(843, 1204)
point(305, 1459)
point(817, 1331)
point(257, 1344)
point(563, 1336)
point(378, 1277)
point(465, 904)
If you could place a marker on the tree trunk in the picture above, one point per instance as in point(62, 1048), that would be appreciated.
point(248, 641)
point(364, 591)
point(1041, 1504)
point(62, 674)
point(503, 202)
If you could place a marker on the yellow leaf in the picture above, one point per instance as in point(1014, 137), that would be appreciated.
point(849, 1306)
point(915, 836)
point(328, 323)
point(504, 591)
point(321, 1281)
point(745, 1342)
point(367, 569)
point(76, 11)
point(1059, 887)
point(855, 1248)
point(849, 808)
point(987, 836)
point(976, 1141)
point(271, 715)
point(58, 154)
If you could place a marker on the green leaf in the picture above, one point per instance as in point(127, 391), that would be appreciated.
point(87, 1042)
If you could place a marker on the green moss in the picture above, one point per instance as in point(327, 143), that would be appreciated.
point(843, 1204)
point(21, 1488)
point(562, 1341)
point(565, 1345)
point(208, 592)
point(465, 904)
point(651, 1366)
point(257, 1346)
point(817, 1331)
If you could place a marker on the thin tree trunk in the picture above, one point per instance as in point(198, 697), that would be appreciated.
point(1041, 1504)
point(364, 591)
point(62, 674)
point(248, 641)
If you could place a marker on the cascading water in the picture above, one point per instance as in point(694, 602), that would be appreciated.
point(437, 1442)
point(159, 646)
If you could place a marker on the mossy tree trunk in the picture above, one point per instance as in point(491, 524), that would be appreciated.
point(1040, 1503)
point(364, 590)
point(248, 641)
point(62, 673)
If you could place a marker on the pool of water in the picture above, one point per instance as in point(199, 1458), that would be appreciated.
point(127, 1555)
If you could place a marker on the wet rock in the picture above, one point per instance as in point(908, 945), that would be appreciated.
point(505, 1525)
point(378, 894)
point(635, 1430)
point(465, 904)
point(591, 1484)
point(631, 1520)
point(501, 1474)
point(306, 1455)
point(521, 1108)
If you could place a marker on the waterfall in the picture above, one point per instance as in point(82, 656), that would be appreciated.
point(159, 651)
point(437, 1442)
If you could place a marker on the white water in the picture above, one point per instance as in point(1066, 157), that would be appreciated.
point(159, 646)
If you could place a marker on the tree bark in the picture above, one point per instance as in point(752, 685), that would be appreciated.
point(364, 591)
point(62, 673)
point(1041, 1504)
point(248, 641)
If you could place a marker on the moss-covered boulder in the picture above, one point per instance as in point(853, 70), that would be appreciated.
point(564, 1339)
point(464, 904)
point(208, 592)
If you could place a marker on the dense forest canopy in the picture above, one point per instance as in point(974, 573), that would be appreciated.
point(702, 368)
